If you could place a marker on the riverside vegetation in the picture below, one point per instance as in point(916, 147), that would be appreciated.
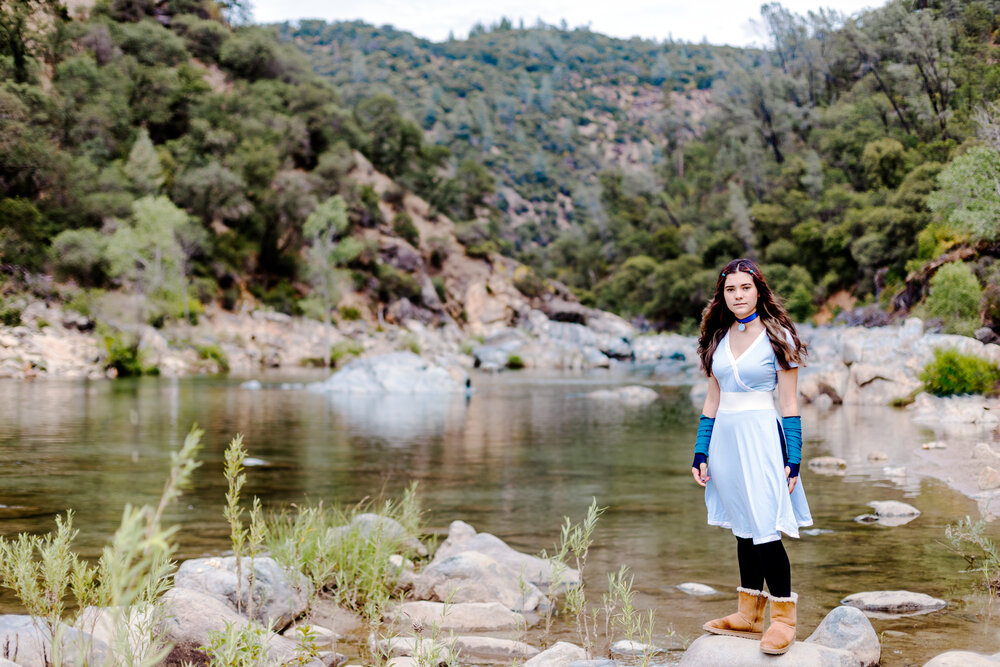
point(180, 153)
point(352, 566)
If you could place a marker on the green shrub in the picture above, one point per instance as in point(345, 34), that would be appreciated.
point(395, 284)
point(954, 297)
point(124, 355)
point(439, 287)
point(10, 315)
point(214, 353)
point(515, 362)
point(403, 226)
point(344, 349)
point(952, 372)
point(350, 313)
point(410, 343)
point(527, 282)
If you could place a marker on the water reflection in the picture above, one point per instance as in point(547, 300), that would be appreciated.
point(513, 459)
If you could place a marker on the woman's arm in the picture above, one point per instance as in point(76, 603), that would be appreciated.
point(788, 398)
point(788, 404)
point(709, 410)
point(711, 406)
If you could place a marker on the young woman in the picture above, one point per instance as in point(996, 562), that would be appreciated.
point(747, 456)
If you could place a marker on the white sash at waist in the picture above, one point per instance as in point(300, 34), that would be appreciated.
point(740, 401)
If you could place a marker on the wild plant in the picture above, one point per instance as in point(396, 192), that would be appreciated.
point(130, 576)
point(239, 646)
point(968, 539)
point(236, 453)
point(306, 648)
point(576, 540)
point(622, 616)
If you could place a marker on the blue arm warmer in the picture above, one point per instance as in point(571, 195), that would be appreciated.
point(792, 427)
point(705, 426)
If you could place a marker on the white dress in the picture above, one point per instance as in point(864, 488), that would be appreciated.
point(748, 491)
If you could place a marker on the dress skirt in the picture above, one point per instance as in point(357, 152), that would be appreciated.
point(748, 491)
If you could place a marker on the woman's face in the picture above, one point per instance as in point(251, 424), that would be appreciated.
point(741, 293)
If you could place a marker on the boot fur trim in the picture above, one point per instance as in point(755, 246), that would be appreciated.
point(794, 597)
point(750, 591)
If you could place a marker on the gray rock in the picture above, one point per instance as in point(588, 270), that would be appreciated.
point(471, 576)
point(561, 654)
point(384, 528)
point(593, 663)
point(190, 615)
point(893, 603)
point(893, 508)
point(721, 651)
point(964, 659)
point(627, 647)
point(849, 629)
point(537, 571)
point(279, 596)
point(135, 625)
point(27, 641)
point(424, 615)
point(989, 478)
point(393, 373)
point(491, 650)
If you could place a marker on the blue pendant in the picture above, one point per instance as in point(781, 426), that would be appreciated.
point(742, 327)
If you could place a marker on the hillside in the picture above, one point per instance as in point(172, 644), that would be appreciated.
point(630, 169)
point(158, 151)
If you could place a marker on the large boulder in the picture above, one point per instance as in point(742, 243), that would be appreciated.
point(893, 603)
point(134, 627)
point(393, 373)
point(190, 616)
point(492, 650)
point(383, 528)
point(424, 615)
point(722, 651)
point(471, 576)
point(27, 641)
point(849, 629)
point(279, 596)
point(537, 571)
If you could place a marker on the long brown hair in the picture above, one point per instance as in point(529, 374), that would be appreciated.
point(717, 318)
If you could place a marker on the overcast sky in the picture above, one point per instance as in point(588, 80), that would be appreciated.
point(720, 21)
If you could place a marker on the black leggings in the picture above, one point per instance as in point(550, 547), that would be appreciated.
point(762, 562)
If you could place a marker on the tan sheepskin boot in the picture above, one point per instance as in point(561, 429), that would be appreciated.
point(748, 621)
point(781, 633)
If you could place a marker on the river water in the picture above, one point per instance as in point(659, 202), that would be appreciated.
point(524, 451)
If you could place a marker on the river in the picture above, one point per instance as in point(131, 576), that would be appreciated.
point(525, 450)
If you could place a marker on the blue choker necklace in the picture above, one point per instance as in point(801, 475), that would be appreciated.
point(743, 322)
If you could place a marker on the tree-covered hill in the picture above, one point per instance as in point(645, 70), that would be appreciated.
point(630, 169)
point(156, 147)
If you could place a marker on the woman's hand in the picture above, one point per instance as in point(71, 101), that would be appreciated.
point(700, 474)
point(792, 481)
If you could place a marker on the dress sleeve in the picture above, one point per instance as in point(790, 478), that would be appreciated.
point(791, 341)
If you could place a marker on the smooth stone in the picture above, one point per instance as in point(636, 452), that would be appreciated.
point(190, 615)
point(593, 663)
point(692, 588)
point(393, 373)
point(251, 385)
point(989, 478)
point(384, 528)
point(849, 629)
point(823, 402)
point(278, 598)
point(403, 661)
point(893, 603)
point(470, 576)
point(722, 650)
point(984, 452)
point(887, 521)
point(934, 444)
point(897, 471)
point(887, 508)
point(560, 654)
point(878, 456)
point(816, 531)
point(963, 659)
point(424, 615)
point(463, 537)
point(28, 642)
point(104, 623)
point(492, 650)
point(827, 465)
point(627, 647)
point(322, 637)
